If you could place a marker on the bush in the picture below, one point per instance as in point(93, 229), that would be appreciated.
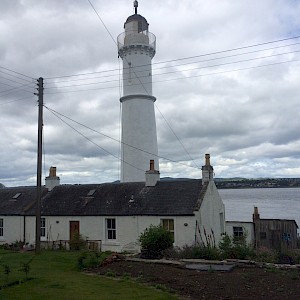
point(235, 247)
point(90, 259)
point(154, 240)
point(77, 242)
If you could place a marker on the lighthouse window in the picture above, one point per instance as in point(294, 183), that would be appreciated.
point(140, 26)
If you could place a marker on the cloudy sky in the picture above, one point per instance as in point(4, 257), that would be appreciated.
point(226, 78)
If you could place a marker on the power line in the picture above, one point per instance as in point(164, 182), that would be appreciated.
point(179, 71)
point(14, 89)
point(21, 99)
point(10, 70)
point(87, 138)
point(172, 66)
point(114, 139)
point(180, 78)
point(190, 57)
point(12, 75)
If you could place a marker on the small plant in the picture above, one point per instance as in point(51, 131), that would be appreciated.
point(90, 259)
point(266, 255)
point(77, 242)
point(211, 269)
point(110, 274)
point(7, 271)
point(154, 240)
point(25, 267)
point(161, 287)
point(126, 276)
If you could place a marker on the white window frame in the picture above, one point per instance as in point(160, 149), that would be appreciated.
point(111, 229)
point(238, 231)
point(43, 227)
point(1, 227)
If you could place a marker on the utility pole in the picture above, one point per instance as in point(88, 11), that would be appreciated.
point(39, 167)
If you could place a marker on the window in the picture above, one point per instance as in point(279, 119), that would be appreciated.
point(43, 227)
point(238, 231)
point(111, 229)
point(286, 237)
point(1, 227)
point(263, 235)
point(168, 224)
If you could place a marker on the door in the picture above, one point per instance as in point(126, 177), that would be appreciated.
point(74, 228)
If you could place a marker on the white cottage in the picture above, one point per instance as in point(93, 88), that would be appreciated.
point(113, 215)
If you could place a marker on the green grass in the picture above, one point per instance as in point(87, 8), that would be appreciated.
point(54, 275)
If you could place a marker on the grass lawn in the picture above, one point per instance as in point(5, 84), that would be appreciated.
point(54, 275)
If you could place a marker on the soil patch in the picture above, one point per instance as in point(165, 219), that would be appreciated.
point(249, 282)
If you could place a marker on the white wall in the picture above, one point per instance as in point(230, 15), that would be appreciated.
point(12, 229)
point(248, 228)
point(212, 214)
point(129, 228)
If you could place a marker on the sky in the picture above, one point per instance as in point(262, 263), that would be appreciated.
point(226, 77)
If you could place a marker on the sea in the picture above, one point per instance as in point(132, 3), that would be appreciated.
point(272, 203)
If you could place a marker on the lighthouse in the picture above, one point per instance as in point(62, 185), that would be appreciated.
point(136, 47)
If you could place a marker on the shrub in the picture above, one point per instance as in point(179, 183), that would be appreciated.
point(25, 267)
point(235, 247)
point(77, 242)
point(266, 255)
point(154, 240)
point(90, 259)
point(194, 252)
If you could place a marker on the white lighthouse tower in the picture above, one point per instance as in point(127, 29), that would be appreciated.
point(136, 47)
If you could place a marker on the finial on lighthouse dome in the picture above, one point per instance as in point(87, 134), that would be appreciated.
point(135, 5)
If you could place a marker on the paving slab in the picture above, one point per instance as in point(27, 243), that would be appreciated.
point(210, 267)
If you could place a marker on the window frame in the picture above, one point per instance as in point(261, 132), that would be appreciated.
point(238, 231)
point(165, 223)
point(1, 227)
point(43, 227)
point(111, 229)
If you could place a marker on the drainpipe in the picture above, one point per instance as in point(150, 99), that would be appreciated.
point(24, 229)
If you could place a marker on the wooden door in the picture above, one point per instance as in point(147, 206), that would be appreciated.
point(74, 228)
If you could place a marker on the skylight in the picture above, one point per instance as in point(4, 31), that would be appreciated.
point(91, 193)
point(16, 196)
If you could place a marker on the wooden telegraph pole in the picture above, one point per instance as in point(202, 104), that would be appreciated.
point(39, 168)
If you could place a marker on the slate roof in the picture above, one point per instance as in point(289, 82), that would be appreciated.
point(21, 204)
point(167, 198)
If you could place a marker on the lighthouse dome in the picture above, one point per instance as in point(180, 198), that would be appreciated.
point(142, 22)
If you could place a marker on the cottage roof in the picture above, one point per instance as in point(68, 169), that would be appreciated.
point(175, 197)
point(116, 199)
point(18, 200)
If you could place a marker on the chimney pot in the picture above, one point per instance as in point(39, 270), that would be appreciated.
point(207, 159)
point(151, 164)
point(152, 176)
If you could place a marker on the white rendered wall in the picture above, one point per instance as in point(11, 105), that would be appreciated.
point(12, 229)
point(212, 214)
point(128, 230)
point(248, 228)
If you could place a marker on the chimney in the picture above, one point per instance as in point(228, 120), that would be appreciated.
point(152, 175)
point(52, 180)
point(207, 170)
point(255, 215)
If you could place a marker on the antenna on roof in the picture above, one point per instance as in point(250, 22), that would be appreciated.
point(135, 5)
